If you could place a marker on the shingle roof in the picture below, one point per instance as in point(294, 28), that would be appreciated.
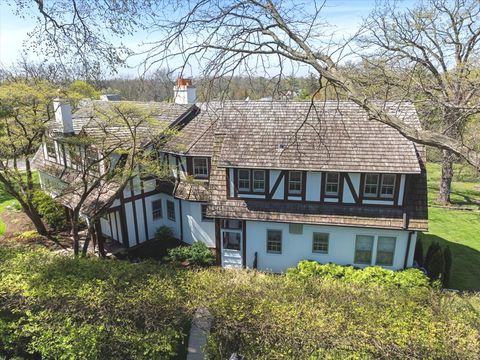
point(329, 135)
point(87, 120)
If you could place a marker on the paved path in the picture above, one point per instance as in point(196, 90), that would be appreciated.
point(201, 323)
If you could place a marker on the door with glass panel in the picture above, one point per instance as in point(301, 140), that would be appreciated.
point(231, 243)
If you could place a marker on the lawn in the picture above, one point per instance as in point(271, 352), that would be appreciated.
point(456, 228)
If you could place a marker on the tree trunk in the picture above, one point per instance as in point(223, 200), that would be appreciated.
point(447, 176)
point(90, 235)
point(100, 241)
point(36, 220)
point(76, 239)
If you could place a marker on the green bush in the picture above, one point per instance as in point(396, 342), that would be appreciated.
point(196, 254)
point(436, 265)
point(432, 249)
point(369, 275)
point(447, 256)
point(51, 211)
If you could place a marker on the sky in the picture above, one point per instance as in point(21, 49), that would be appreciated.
point(345, 15)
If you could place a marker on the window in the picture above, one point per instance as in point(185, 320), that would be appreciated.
point(320, 243)
point(157, 209)
point(75, 157)
point(295, 228)
point(363, 249)
point(274, 241)
point(231, 224)
point(244, 180)
point(200, 167)
point(204, 213)
point(231, 240)
point(50, 146)
point(385, 250)
point(294, 182)
point(170, 210)
point(258, 180)
point(331, 183)
point(388, 185)
point(371, 184)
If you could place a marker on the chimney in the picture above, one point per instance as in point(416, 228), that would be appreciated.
point(63, 115)
point(185, 92)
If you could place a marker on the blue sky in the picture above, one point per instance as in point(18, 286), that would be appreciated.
point(345, 15)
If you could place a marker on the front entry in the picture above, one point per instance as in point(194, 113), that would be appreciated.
point(231, 242)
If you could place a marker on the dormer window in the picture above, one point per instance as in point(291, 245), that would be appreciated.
point(200, 167)
point(371, 185)
point(259, 181)
point(243, 180)
point(331, 184)
point(388, 186)
point(295, 182)
point(380, 186)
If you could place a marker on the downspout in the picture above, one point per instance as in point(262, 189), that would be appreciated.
point(409, 241)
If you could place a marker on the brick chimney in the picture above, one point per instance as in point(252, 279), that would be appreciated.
point(63, 115)
point(185, 92)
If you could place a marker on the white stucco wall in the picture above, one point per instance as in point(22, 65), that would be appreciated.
point(296, 247)
point(194, 229)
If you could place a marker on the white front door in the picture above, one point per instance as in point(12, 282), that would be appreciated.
point(232, 248)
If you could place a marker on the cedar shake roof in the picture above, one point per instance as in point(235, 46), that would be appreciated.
point(86, 120)
point(96, 200)
point(325, 135)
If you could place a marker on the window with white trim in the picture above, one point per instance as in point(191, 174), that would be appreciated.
point(170, 210)
point(363, 249)
point(387, 188)
point(320, 243)
point(91, 159)
point(274, 241)
point(157, 209)
point(371, 185)
point(259, 181)
point(243, 180)
point(295, 182)
point(200, 167)
point(385, 250)
point(331, 183)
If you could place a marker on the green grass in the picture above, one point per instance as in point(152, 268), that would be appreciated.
point(458, 229)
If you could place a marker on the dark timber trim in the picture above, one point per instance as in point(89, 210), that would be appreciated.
point(244, 244)
point(322, 186)
point(341, 180)
point(396, 192)
point(218, 242)
point(350, 186)
point(144, 208)
point(407, 252)
point(227, 176)
point(123, 222)
point(181, 218)
point(134, 209)
point(281, 175)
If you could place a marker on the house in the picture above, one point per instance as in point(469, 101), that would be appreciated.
point(267, 184)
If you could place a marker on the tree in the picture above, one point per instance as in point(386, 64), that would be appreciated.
point(25, 113)
point(103, 158)
point(433, 49)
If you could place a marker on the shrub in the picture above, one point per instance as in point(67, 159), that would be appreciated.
point(418, 255)
point(164, 234)
point(433, 248)
point(369, 275)
point(436, 265)
point(196, 254)
point(51, 211)
point(447, 256)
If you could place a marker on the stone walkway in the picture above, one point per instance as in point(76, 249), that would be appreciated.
point(202, 321)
